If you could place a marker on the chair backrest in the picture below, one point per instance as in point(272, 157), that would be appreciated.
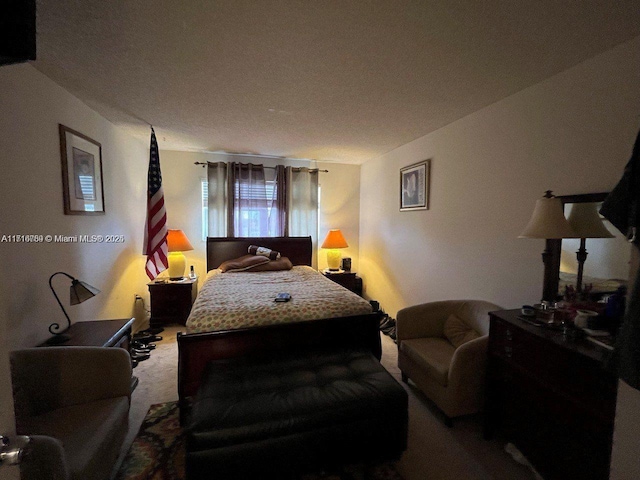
point(475, 313)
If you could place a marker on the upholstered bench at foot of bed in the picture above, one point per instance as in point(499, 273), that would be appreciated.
point(275, 418)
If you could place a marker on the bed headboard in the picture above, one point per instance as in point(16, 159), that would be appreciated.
point(297, 249)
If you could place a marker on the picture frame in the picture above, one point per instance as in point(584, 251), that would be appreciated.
point(414, 186)
point(83, 189)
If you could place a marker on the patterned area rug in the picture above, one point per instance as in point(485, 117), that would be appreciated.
point(158, 453)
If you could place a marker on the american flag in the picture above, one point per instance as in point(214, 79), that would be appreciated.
point(155, 231)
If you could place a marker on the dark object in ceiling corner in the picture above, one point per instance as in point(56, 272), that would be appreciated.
point(18, 31)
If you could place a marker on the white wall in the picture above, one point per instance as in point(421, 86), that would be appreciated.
point(572, 133)
point(339, 205)
point(31, 107)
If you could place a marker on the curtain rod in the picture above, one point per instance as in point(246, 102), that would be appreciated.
point(204, 164)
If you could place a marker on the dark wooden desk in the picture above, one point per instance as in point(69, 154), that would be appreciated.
point(552, 396)
point(99, 333)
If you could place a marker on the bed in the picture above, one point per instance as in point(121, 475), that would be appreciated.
point(216, 339)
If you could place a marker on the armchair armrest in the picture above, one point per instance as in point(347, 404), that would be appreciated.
point(469, 364)
point(424, 320)
point(44, 458)
point(45, 379)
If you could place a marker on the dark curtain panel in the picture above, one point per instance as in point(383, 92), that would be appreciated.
point(281, 202)
point(250, 207)
point(217, 199)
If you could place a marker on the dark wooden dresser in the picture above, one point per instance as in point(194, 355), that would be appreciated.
point(551, 395)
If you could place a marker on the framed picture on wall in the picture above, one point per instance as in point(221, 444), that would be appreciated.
point(82, 186)
point(414, 186)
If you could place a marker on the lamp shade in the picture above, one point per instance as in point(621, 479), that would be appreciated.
point(548, 220)
point(586, 222)
point(81, 291)
point(334, 239)
point(177, 241)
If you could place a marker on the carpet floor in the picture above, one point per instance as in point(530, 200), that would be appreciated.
point(158, 453)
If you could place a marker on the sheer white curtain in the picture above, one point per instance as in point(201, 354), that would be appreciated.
point(302, 206)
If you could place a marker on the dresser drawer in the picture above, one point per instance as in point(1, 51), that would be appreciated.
point(552, 396)
point(575, 377)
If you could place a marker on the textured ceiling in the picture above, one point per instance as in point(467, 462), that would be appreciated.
point(332, 80)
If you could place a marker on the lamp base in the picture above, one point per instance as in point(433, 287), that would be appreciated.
point(333, 259)
point(177, 264)
point(58, 339)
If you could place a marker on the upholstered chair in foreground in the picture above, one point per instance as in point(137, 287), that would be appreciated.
point(442, 347)
point(74, 401)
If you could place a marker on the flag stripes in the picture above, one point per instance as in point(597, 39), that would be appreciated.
point(155, 232)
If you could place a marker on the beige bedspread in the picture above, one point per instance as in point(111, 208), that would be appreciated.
point(229, 301)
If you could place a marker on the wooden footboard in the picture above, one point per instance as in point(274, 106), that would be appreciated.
point(197, 349)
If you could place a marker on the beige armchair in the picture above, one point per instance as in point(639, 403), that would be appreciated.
point(74, 401)
point(442, 347)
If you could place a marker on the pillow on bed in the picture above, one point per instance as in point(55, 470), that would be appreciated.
point(243, 263)
point(267, 252)
point(282, 264)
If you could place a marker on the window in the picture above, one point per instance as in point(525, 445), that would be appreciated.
point(204, 188)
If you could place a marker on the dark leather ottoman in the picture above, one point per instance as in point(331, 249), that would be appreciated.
point(280, 417)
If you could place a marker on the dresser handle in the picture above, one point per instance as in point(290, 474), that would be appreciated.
point(508, 351)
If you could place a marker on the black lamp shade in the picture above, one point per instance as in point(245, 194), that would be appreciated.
point(80, 291)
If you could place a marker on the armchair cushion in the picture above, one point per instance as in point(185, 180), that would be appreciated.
point(433, 355)
point(457, 331)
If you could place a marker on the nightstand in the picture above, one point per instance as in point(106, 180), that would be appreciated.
point(171, 301)
point(348, 280)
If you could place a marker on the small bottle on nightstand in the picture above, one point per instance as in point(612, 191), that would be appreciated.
point(192, 273)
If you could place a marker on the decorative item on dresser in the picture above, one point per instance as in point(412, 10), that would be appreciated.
point(171, 301)
point(349, 280)
point(586, 222)
point(548, 222)
point(552, 396)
